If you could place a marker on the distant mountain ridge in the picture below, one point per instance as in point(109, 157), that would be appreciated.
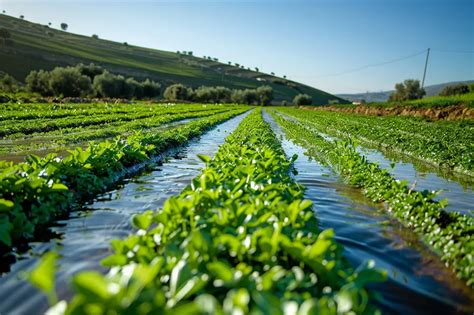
point(383, 96)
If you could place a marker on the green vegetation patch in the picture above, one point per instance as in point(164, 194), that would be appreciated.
point(37, 191)
point(449, 234)
point(449, 145)
point(239, 240)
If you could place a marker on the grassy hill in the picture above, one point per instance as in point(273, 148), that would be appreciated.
point(35, 46)
point(431, 90)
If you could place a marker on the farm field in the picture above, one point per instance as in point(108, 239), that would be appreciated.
point(44, 128)
point(236, 157)
point(219, 209)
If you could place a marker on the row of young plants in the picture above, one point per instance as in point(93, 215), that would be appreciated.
point(74, 136)
point(449, 234)
point(124, 125)
point(35, 192)
point(26, 127)
point(240, 239)
point(53, 111)
point(446, 144)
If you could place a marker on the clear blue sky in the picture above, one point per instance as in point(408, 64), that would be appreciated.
point(305, 40)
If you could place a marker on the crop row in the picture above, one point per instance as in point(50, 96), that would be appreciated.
point(19, 112)
point(24, 112)
point(47, 125)
point(449, 234)
point(240, 239)
point(68, 136)
point(446, 144)
point(35, 192)
point(140, 121)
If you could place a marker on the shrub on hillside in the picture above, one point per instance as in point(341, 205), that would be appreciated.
point(38, 82)
point(176, 92)
point(109, 85)
point(302, 99)
point(208, 94)
point(407, 90)
point(91, 70)
point(456, 89)
point(69, 82)
point(132, 89)
point(247, 96)
point(151, 88)
point(8, 84)
point(264, 95)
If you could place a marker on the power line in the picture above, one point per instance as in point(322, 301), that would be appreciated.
point(454, 51)
point(373, 65)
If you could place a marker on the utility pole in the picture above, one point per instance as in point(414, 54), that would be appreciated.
point(426, 66)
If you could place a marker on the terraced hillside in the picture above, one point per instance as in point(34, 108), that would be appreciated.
point(36, 46)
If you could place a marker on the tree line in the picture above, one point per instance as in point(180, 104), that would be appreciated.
point(89, 80)
point(262, 95)
point(94, 81)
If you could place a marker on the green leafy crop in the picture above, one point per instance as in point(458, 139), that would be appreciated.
point(37, 191)
point(240, 239)
point(449, 234)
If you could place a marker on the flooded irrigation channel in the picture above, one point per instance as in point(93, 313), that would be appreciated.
point(84, 238)
point(420, 176)
point(460, 197)
point(418, 281)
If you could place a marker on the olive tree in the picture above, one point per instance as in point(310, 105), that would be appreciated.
point(407, 90)
point(69, 82)
point(264, 95)
point(303, 99)
point(38, 82)
point(176, 92)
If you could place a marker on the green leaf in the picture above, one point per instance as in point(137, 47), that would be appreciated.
point(309, 307)
point(367, 276)
point(5, 229)
point(59, 186)
point(319, 248)
point(221, 271)
point(42, 277)
point(91, 284)
point(6, 205)
point(142, 221)
point(305, 204)
point(114, 260)
point(204, 158)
